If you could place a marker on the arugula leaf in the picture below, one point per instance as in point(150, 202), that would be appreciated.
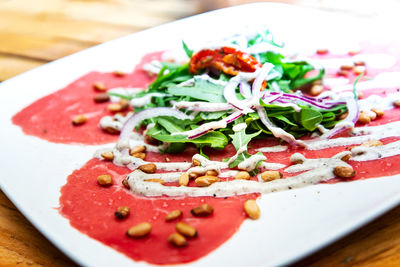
point(202, 90)
point(178, 74)
point(239, 140)
point(127, 97)
point(309, 118)
point(213, 139)
point(188, 52)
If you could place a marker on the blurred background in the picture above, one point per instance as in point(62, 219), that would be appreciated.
point(35, 32)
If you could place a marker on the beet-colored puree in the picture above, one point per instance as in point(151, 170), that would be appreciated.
point(90, 208)
point(50, 117)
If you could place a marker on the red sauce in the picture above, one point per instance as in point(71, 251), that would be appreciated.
point(50, 117)
point(90, 208)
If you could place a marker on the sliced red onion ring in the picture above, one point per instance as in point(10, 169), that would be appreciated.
point(348, 122)
point(275, 130)
point(245, 89)
point(230, 95)
point(149, 113)
point(260, 78)
point(320, 103)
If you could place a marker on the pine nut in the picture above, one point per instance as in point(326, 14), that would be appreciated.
point(122, 212)
point(211, 173)
point(344, 172)
point(175, 214)
point(105, 180)
point(346, 157)
point(111, 130)
point(360, 95)
point(322, 51)
point(79, 120)
point(177, 240)
point(196, 162)
point(251, 208)
point(114, 107)
point(161, 181)
point(242, 175)
point(148, 168)
point(140, 230)
point(343, 116)
point(126, 184)
point(268, 176)
point(359, 63)
point(316, 89)
point(139, 155)
point(359, 70)
point(137, 149)
point(364, 118)
point(206, 180)
point(346, 67)
point(202, 210)
point(98, 86)
point(353, 52)
point(184, 179)
point(379, 112)
point(124, 104)
point(372, 143)
point(119, 73)
point(343, 73)
point(108, 155)
point(150, 140)
point(101, 98)
point(186, 229)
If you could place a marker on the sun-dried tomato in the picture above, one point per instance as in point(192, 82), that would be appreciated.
point(226, 59)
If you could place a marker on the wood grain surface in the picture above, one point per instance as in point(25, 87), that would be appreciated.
point(33, 33)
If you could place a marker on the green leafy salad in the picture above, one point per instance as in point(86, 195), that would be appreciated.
point(227, 95)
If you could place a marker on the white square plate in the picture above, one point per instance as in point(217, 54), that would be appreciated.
point(294, 223)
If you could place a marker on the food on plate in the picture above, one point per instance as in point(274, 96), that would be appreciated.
point(204, 136)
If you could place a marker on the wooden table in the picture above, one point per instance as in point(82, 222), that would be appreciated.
point(33, 33)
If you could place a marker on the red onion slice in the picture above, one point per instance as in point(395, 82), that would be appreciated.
point(149, 113)
point(275, 130)
point(348, 122)
point(245, 89)
point(260, 78)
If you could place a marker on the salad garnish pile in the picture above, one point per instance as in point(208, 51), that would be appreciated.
point(228, 95)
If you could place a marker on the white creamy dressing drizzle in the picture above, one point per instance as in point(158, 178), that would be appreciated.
point(127, 92)
point(363, 153)
point(376, 101)
point(250, 163)
point(268, 149)
point(239, 127)
point(153, 67)
point(204, 77)
point(315, 171)
point(145, 100)
point(114, 122)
